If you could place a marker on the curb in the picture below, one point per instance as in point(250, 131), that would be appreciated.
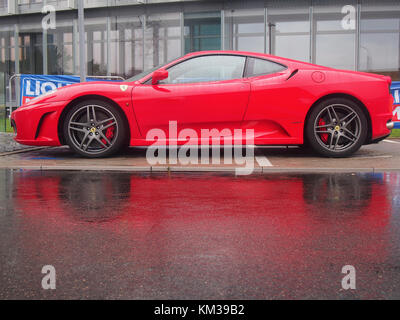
point(2, 154)
point(149, 169)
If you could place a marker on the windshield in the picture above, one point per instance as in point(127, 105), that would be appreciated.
point(147, 72)
point(143, 74)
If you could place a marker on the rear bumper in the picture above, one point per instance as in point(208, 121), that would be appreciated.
point(37, 125)
point(379, 139)
point(390, 125)
point(381, 112)
point(380, 126)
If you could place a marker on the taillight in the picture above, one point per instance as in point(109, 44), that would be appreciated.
point(391, 104)
point(389, 82)
point(388, 79)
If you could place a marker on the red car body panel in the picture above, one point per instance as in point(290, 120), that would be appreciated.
point(196, 106)
point(275, 105)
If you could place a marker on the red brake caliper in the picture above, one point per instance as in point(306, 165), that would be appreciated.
point(324, 136)
point(109, 133)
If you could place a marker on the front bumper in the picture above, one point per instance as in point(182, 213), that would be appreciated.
point(37, 125)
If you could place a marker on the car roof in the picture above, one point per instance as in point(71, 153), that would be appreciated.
point(233, 52)
point(238, 53)
point(285, 61)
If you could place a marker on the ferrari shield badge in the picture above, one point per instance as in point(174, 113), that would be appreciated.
point(123, 87)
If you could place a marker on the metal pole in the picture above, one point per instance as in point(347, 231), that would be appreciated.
point(108, 47)
point(17, 61)
point(144, 41)
point(270, 26)
point(223, 29)
point(265, 30)
point(82, 52)
point(182, 26)
point(45, 53)
point(44, 48)
point(358, 37)
point(311, 38)
point(75, 45)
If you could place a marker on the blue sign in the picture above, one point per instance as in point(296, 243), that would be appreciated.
point(33, 85)
point(395, 89)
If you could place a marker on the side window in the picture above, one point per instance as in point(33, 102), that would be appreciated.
point(206, 69)
point(259, 67)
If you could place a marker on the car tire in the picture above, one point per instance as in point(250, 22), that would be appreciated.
point(336, 127)
point(94, 129)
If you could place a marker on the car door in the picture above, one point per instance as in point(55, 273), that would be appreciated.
point(267, 113)
point(203, 92)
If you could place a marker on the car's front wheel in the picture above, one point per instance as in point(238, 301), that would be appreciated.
point(336, 128)
point(94, 129)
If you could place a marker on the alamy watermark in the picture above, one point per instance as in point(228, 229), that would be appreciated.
point(189, 147)
point(49, 20)
point(349, 20)
point(49, 280)
point(349, 280)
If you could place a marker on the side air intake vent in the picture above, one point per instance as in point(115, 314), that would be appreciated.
point(292, 74)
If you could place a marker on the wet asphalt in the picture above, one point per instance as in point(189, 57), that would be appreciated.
point(112, 235)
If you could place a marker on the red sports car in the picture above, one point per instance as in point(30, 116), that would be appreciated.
point(285, 102)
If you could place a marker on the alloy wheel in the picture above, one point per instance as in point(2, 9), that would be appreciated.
point(337, 127)
point(93, 129)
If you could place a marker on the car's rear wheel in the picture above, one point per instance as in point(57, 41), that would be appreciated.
point(336, 128)
point(94, 129)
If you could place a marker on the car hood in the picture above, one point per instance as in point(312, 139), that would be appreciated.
point(70, 92)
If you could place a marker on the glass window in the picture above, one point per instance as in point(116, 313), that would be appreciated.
point(60, 47)
point(380, 29)
point(162, 38)
point(258, 67)
point(147, 72)
point(207, 69)
point(3, 113)
point(126, 46)
point(244, 29)
point(335, 40)
point(96, 45)
point(7, 62)
point(202, 31)
point(289, 29)
point(30, 44)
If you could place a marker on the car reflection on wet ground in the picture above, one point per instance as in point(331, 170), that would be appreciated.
point(205, 236)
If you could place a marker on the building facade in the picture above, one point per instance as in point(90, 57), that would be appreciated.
point(125, 37)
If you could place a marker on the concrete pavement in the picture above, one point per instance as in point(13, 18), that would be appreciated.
point(7, 143)
point(384, 156)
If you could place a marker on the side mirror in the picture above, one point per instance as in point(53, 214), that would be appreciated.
point(159, 75)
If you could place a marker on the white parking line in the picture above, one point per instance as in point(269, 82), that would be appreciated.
point(391, 141)
point(263, 162)
point(372, 157)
